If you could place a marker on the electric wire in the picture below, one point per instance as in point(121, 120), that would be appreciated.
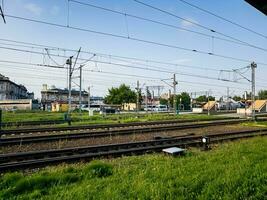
point(197, 24)
point(223, 18)
point(134, 39)
point(236, 41)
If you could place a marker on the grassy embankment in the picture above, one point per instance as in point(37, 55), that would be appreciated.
point(97, 118)
point(236, 170)
point(262, 124)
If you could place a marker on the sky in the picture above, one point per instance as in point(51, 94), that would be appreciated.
point(100, 75)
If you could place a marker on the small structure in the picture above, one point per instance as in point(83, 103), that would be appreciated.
point(128, 106)
point(19, 104)
point(174, 151)
point(197, 110)
point(59, 107)
point(260, 106)
point(210, 106)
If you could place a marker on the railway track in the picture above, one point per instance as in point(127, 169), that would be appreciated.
point(26, 131)
point(17, 161)
point(54, 122)
point(20, 140)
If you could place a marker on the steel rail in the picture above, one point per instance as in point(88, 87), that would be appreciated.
point(108, 133)
point(17, 161)
point(101, 126)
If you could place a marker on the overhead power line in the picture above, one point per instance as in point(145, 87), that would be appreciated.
point(162, 23)
point(133, 39)
point(224, 19)
point(112, 56)
point(197, 24)
point(132, 66)
point(146, 78)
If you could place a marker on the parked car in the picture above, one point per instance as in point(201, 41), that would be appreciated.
point(108, 110)
point(93, 107)
point(150, 108)
point(161, 108)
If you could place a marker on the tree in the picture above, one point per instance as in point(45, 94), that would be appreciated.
point(120, 95)
point(262, 94)
point(163, 101)
point(236, 98)
point(204, 98)
point(183, 101)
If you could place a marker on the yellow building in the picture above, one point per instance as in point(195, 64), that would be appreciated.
point(59, 107)
point(128, 106)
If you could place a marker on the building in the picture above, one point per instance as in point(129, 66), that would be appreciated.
point(59, 107)
point(210, 106)
point(10, 90)
point(19, 104)
point(260, 106)
point(53, 95)
point(128, 106)
point(94, 100)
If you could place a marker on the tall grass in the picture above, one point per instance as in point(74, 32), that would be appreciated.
point(235, 170)
point(19, 116)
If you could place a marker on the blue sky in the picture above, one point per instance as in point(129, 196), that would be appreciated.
point(55, 11)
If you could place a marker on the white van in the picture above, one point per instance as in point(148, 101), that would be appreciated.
point(161, 108)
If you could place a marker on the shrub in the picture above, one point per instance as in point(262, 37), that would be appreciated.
point(10, 179)
point(99, 169)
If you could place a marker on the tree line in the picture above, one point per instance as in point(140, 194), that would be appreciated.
point(124, 94)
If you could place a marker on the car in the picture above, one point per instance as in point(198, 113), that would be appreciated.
point(93, 107)
point(161, 108)
point(148, 108)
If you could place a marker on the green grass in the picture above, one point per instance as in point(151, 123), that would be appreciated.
point(83, 118)
point(256, 124)
point(235, 170)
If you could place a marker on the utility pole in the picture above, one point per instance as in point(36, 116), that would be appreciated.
point(80, 92)
point(208, 102)
point(137, 97)
point(146, 98)
point(89, 98)
point(174, 93)
point(228, 99)
point(253, 67)
point(169, 100)
point(191, 101)
point(153, 100)
point(69, 62)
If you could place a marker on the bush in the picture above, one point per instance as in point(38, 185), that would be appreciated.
point(99, 169)
point(34, 183)
point(10, 179)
